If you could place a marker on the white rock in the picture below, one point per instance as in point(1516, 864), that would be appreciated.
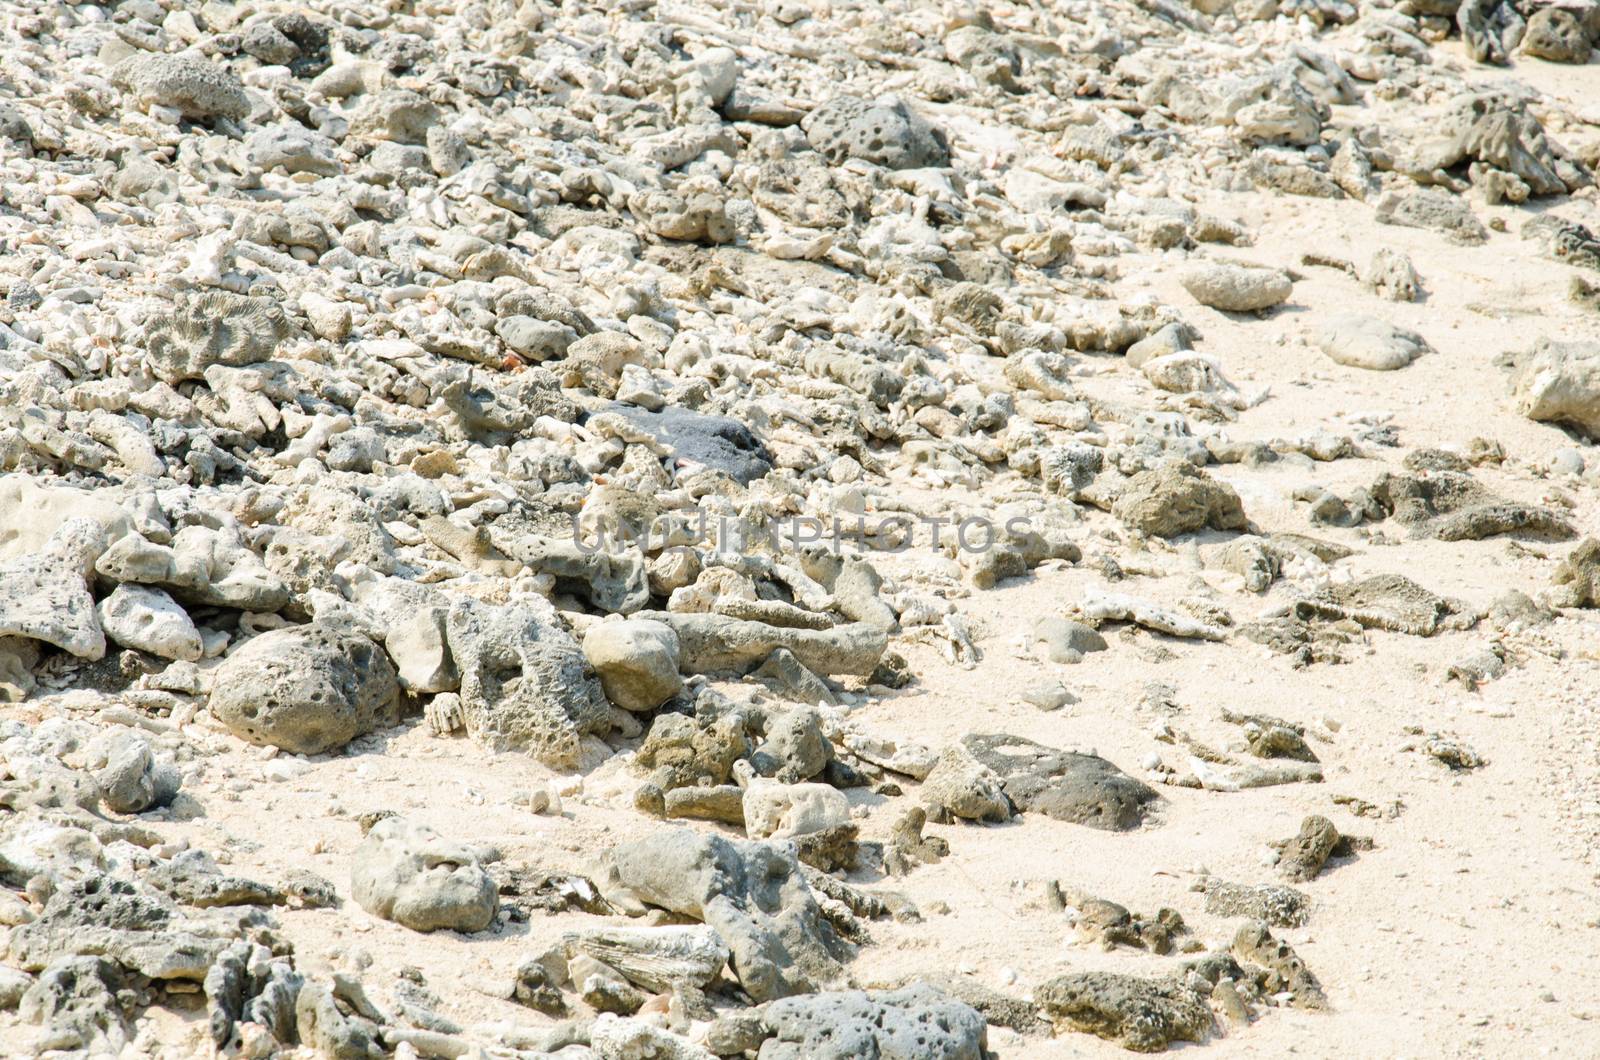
point(147, 619)
point(637, 661)
point(1360, 341)
point(778, 811)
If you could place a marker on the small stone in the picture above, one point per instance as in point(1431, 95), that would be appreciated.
point(1236, 288)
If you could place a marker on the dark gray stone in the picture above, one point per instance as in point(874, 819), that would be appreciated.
point(1083, 789)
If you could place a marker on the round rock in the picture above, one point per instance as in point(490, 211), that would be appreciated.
point(887, 133)
point(1360, 341)
point(637, 661)
point(1236, 288)
point(307, 689)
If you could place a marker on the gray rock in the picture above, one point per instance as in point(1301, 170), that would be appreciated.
point(1382, 601)
point(916, 1022)
point(1285, 972)
point(1578, 577)
point(401, 165)
point(18, 657)
point(408, 873)
point(1274, 109)
point(715, 643)
point(1178, 498)
point(76, 1000)
point(1048, 695)
point(721, 802)
point(357, 449)
point(448, 153)
point(785, 676)
point(266, 42)
point(14, 126)
point(295, 148)
point(616, 582)
point(658, 959)
point(1513, 157)
point(307, 689)
point(637, 661)
point(1305, 852)
point(698, 218)
point(247, 985)
point(140, 180)
point(1361, 341)
point(31, 514)
point(1556, 35)
point(130, 776)
point(413, 617)
point(1083, 789)
point(1391, 275)
point(887, 133)
point(961, 786)
point(395, 114)
point(681, 751)
point(1037, 193)
point(1566, 462)
point(195, 87)
point(13, 984)
point(1559, 382)
point(43, 782)
point(694, 438)
point(746, 104)
point(117, 919)
point(1066, 641)
point(525, 684)
point(1144, 1015)
point(193, 878)
point(45, 596)
point(613, 1037)
point(753, 894)
point(855, 586)
point(1489, 29)
point(537, 340)
point(795, 748)
point(908, 848)
point(308, 890)
point(1236, 288)
point(148, 620)
point(1168, 339)
point(1277, 905)
point(1452, 506)
point(215, 327)
point(202, 566)
point(1436, 209)
point(327, 1031)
